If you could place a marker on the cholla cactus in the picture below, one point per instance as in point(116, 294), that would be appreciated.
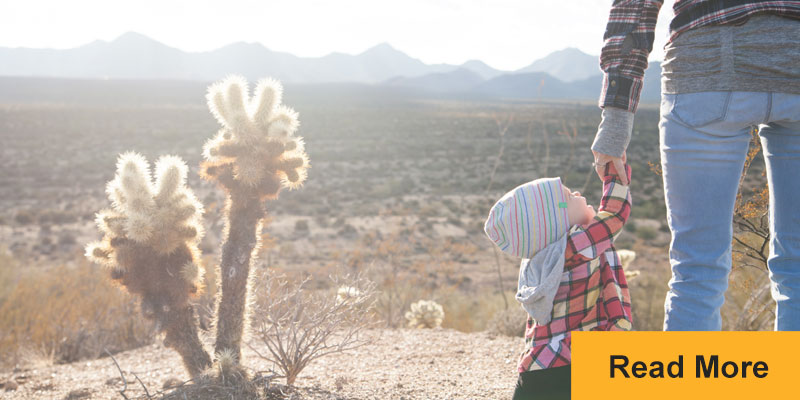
point(256, 148)
point(626, 257)
point(252, 157)
point(347, 293)
point(425, 314)
point(150, 238)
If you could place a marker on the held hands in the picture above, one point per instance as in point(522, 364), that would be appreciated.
point(600, 161)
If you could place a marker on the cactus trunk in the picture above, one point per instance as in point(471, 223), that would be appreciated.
point(245, 213)
point(182, 335)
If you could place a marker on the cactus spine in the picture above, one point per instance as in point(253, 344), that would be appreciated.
point(252, 157)
point(150, 238)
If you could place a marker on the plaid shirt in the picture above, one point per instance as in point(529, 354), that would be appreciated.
point(629, 35)
point(593, 293)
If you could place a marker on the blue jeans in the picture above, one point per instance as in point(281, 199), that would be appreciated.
point(704, 141)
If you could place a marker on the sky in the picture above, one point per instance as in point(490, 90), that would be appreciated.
point(506, 34)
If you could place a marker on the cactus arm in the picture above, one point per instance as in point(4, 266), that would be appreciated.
point(150, 245)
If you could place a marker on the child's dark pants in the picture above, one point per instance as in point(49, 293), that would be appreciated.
point(546, 384)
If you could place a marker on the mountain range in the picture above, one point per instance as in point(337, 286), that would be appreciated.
point(564, 74)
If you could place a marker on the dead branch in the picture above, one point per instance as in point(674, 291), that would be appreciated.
point(146, 392)
point(499, 276)
point(751, 242)
point(121, 375)
point(502, 128)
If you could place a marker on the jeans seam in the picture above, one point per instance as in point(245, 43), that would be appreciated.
point(726, 106)
point(769, 108)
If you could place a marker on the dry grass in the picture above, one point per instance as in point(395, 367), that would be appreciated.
point(64, 314)
point(470, 311)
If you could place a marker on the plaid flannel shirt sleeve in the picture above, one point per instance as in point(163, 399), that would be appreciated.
point(588, 242)
point(627, 43)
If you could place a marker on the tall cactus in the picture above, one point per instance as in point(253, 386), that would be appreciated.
point(150, 238)
point(252, 157)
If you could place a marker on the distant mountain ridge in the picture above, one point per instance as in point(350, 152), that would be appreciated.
point(135, 56)
point(523, 85)
point(567, 73)
point(568, 65)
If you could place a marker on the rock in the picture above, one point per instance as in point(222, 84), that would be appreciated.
point(79, 394)
point(10, 385)
point(171, 383)
point(114, 381)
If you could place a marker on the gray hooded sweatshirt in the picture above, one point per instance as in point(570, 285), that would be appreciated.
point(539, 278)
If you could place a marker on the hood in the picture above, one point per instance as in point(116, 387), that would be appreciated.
point(539, 278)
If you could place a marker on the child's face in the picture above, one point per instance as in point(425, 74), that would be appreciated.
point(578, 211)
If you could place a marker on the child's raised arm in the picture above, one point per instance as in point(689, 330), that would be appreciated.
point(589, 241)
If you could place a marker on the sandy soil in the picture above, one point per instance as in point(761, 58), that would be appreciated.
point(402, 364)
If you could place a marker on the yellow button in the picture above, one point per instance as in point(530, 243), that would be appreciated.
point(696, 365)
point(613, 83)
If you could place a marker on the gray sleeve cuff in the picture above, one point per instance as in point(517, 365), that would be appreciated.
point(614, 132)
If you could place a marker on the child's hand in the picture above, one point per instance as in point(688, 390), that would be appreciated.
point(611, 173)
point(617, 163)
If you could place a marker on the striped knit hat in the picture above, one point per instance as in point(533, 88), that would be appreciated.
point(529, 218)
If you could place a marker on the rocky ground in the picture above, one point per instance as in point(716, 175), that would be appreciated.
point(401, 364)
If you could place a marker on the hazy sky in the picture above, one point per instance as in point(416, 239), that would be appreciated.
point(506, 34)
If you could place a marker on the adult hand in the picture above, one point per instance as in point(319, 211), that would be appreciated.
point(600, 161)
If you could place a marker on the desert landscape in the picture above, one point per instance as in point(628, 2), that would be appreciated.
point(399, 186)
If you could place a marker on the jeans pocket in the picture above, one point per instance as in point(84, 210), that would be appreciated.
point(697, 109)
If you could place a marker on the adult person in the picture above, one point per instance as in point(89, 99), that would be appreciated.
point(729, 65)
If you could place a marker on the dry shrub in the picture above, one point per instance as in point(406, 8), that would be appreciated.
point(298, 326)
point(749, 305)
point(225, 379)
point(648, 292)
point(468, 311)
point(386, 260)
point(9, 274)
point(396, 296)
point(66, 314)
point(400, 286)
point(408, 267)
point(509, 322)
point(215, 384)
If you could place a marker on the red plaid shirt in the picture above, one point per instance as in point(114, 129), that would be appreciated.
point(629, 35)
point(593, 293)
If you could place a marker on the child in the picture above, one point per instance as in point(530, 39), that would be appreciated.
point(570, 277)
